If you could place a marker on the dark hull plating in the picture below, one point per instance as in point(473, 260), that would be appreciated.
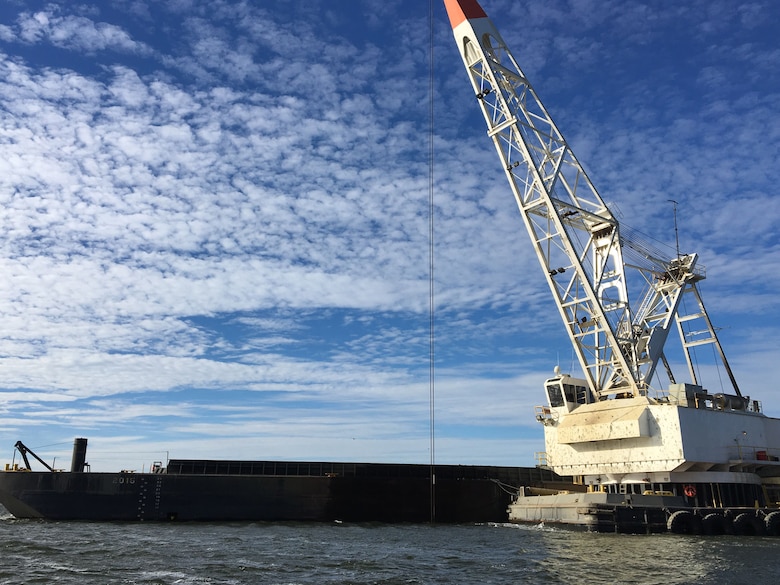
point(246, 492)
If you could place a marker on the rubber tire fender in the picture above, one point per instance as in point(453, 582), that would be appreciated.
point(714, 524)
point(748, 524)
point(682, 522)
point(772, 523)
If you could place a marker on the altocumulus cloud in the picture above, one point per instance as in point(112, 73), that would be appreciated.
point(215, 217)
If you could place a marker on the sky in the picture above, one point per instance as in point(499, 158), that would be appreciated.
point(215, 218)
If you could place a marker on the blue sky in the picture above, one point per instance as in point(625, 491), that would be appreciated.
point(215, 217)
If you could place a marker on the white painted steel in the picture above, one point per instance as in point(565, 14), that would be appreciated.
point(576, 237)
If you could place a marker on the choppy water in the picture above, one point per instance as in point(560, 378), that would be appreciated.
point(91, 553)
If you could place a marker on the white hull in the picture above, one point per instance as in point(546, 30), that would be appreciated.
point(587, 511)
point(632, 513)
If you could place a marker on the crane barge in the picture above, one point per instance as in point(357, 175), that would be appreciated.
point(648, 457)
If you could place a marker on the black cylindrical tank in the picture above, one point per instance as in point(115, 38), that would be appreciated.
point(79, 456)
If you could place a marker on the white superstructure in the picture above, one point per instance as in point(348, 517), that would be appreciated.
point(689, 437)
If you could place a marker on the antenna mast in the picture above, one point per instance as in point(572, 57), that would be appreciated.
point(676, 233)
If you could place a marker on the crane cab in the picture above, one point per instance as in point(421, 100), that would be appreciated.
point(565, 391)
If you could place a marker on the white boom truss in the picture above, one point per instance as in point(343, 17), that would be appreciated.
point(576, 237)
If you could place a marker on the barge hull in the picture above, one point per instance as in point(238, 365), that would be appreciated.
point(257, 491)
point(641, 514)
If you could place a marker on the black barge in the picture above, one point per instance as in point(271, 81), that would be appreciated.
point(220, 490)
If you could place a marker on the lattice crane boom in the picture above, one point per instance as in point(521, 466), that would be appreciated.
point(576, 237)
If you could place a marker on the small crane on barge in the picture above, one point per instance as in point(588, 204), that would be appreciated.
point(688, 459)
point(24, 450)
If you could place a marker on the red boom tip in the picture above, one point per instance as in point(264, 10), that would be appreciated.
point(460, 10)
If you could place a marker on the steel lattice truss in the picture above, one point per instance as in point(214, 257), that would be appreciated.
point(576, 237)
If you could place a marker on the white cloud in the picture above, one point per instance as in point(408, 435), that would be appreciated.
point(76, 33)
point(239, 207)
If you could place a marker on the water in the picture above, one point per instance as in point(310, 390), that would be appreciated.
point(161, 554)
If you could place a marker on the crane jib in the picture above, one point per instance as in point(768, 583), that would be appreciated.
point(590, 268)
